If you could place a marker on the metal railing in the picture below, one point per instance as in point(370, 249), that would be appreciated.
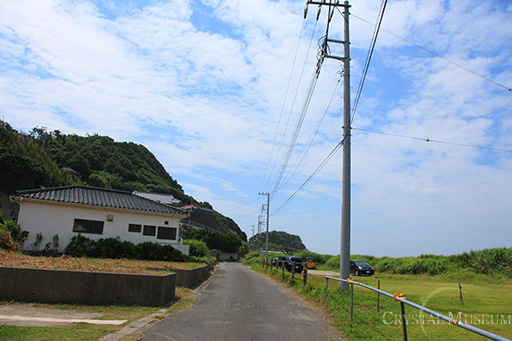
point(403, 301)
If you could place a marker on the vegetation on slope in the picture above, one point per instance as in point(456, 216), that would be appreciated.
point(278, 241)
point(23, 164)
point(35, 160)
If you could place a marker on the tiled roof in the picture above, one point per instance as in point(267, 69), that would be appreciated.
point(99, 197)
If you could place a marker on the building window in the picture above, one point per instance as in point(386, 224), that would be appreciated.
point(88, 226)
point(149, 230)
point(166, 232)
point(134, 228)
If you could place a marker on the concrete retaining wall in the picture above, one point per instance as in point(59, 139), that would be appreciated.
point(80, 287)
point(191, 277)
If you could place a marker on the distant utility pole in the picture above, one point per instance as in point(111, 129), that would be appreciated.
point(258, 236)
point(345, 206)
point(266, 238)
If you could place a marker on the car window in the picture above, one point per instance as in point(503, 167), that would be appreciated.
point(361, 263)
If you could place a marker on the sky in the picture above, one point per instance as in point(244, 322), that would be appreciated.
point(218, 91)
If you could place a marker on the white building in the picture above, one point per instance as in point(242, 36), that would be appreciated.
point(95, 213)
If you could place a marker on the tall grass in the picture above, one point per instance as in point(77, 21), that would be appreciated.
point(496, 263)
point(485, 306)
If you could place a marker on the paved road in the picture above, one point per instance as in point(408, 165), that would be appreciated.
point(240, 304)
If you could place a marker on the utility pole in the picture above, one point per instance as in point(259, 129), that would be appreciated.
point(325, 53)
point(345, 206)
point(266, 238)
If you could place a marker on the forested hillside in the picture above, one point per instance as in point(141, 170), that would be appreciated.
point(23, 164)
point(278, 241)
point(36, 159)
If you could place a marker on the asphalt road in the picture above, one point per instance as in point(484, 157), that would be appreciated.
point(239, 304)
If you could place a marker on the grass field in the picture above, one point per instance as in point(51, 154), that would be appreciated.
point(487, 306)
point(86, 332)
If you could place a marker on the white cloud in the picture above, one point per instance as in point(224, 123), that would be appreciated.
point(206, 98)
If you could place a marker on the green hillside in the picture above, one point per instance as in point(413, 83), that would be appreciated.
point(23, 164)
point(36, 159)
point(278, 241)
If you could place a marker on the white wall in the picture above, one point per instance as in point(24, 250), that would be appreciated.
point(50, 220)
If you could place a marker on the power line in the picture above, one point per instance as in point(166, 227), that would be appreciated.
point(324, 162)
point(435, 141)
point(295, 134)
point(239, 206)
point(312, 137)
point(291, 108)
point(284, 102)
point(368, 58)
point(435, 54)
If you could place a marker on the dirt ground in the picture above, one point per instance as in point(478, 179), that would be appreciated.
point(324, 273)
point(19, 260)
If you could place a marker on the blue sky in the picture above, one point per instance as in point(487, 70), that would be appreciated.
point(203, 84)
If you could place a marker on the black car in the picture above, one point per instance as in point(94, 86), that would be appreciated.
point(360, 267)
point(288, 261)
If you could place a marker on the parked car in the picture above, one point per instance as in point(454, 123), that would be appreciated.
point(309, 263)
point(360, 267)
point(288, 261)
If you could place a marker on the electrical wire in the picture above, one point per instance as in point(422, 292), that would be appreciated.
point(284, 101)
point(368, 59)
point(291, 109)
point(318, 169)
point(312, 137)
point(243, 205)
point(295, 135)
point(435, 54)
point(435, 141)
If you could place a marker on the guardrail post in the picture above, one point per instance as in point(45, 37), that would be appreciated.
point(378, 296)
point(305, 278)
point(460, 291)
point(400, 298)
point(326, 284)
point(351, 301)
point(292, 280)
point(282, 271)
point(404, 321)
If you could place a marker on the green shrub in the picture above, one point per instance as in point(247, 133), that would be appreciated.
point(6, 241)
point(197, 248)
point(79, 246)
point(494, 261)
point(52, 246)
point(386, 264)
point(319, 258)
point(171, 254)
point(113, 248)
point(415, 266)
point(210, 261)
point(11, 236)
point(148, 251)
point(333, 263)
